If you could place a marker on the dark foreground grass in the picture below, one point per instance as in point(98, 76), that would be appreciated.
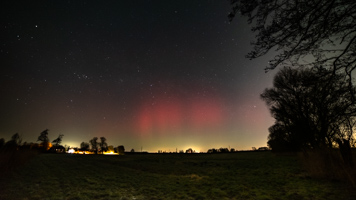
point(329, 164)
point(243, 175)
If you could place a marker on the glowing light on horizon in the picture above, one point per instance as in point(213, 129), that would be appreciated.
point(71, 151)
point(110, 153)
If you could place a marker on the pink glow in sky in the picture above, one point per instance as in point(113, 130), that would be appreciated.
point(162, 75)
point(176, 113)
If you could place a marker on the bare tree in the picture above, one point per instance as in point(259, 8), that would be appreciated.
point(43, 136)
point(323, 32)
point(58, 140)
point(16, 138)
point(14, 143)
point(94, 144)
point(44, 140)
point(103, 145)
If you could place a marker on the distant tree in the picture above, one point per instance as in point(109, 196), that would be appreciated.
point(121, 150)
point(66, 148)
point(323, 30)
point(13, 143)
point(132, 151)
point(58, 141)
point(224, 150)
point(103, 145)
point(17, 139)
point(43, 136)
point(44, 140)
point(94, 144)
point(213, 150)
point(84, 146)
point(312, 107)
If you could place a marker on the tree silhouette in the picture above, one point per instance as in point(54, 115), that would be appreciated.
point(308, 33)
point(121, 150)
point(323, 31)
point(213, 150)
point(14, 143)
point(84, 146)
point(43, 136)
point(103, 145)
point(58, 141)
point(224, 150)
point(281, 140)
point(44, 140)
point(94, 144)
point(312, 108)
point(17, 139)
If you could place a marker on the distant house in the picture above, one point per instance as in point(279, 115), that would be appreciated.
point(57, 149)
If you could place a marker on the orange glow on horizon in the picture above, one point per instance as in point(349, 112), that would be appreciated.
point(73, 151)
point(110, 153)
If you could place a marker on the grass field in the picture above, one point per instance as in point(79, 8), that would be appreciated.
point(243, 175)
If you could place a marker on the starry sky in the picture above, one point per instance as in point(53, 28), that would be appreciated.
point(156, 75)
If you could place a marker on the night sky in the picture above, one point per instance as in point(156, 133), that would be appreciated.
point(161, 75)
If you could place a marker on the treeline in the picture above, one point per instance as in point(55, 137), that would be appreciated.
point(44, 145)
point(99, 146)
point(221, 150)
